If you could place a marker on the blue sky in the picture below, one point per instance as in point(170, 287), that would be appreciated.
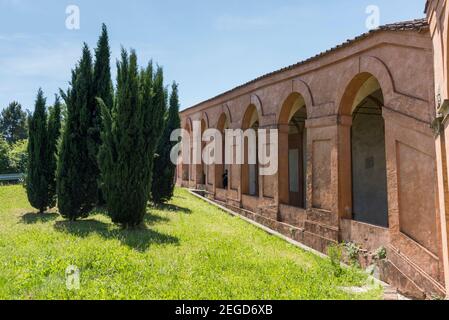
point(208, 46)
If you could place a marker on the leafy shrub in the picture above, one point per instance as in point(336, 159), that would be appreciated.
point(381, 253)
point(4, 159)
point(14, 157)
point(18, 156)
point(353, 251)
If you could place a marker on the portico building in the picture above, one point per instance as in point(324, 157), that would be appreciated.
point(361, 146)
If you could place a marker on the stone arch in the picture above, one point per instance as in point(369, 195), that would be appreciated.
point(250, 172)
point(293, 148)
point(205, 118)
point(356, 75)
point(227, 111)
point(222, 124)
point(188, 125)
point(202, 170)
point(287, 106)
point(250, 112)
point(223, 121)
point(187, 174)
point(364, 148)
point(257, 103)
point(303, 89)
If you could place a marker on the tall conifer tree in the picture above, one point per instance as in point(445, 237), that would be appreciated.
point(103, 89)
point(54, 131)
point(37, 175)
point(164, 170)
point(130, 135)
point(77, 168)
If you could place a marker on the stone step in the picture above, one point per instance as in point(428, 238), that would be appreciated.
point(391, 294)
point(391, 273)
point(322, 217)
point(322, 230)
point(290, 231)
point(269, 213)
point(317, 242)
point(413, 271)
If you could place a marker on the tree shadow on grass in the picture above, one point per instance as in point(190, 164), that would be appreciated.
point(178, 196)
point(139, 239)
point(172, 208)
point(151, 219)
point(33, 218)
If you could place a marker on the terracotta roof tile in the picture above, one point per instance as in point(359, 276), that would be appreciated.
point(418, 25)
point(413, 25)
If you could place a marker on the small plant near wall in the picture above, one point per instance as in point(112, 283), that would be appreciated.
point(335, 253)
point(435, 297)
point(381, 254)
point(353, 251)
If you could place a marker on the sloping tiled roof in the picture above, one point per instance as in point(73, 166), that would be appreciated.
point(413, 25)
point(418, 25)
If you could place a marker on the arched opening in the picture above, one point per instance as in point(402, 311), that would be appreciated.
point(368, 158)
point(202, 168)
point(187, 159)
point(250, 171)
point(293, 149)
point(221, 168)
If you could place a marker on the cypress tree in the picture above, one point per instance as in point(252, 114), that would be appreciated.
point(130, 136)
point(76, 174)
point(103, 89)
point(164, 170)
point(54, 131)
point(37, 177)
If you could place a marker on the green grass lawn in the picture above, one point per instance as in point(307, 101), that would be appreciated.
point(189, 250)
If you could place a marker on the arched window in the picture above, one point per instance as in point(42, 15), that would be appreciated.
point(293, 148)
point(221, 168)
point(187, 159)
point(369, 172)
point(250, 171)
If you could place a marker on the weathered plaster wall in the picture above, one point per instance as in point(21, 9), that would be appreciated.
point(438, 17)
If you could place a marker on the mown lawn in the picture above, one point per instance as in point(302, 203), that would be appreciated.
point(189, 250)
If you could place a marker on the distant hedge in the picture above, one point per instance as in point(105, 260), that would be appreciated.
point(14, 157)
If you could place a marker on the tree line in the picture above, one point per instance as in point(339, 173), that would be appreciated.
point(13, 139)
point(112, 148)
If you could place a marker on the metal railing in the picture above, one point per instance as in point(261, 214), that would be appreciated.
point(14, 177)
